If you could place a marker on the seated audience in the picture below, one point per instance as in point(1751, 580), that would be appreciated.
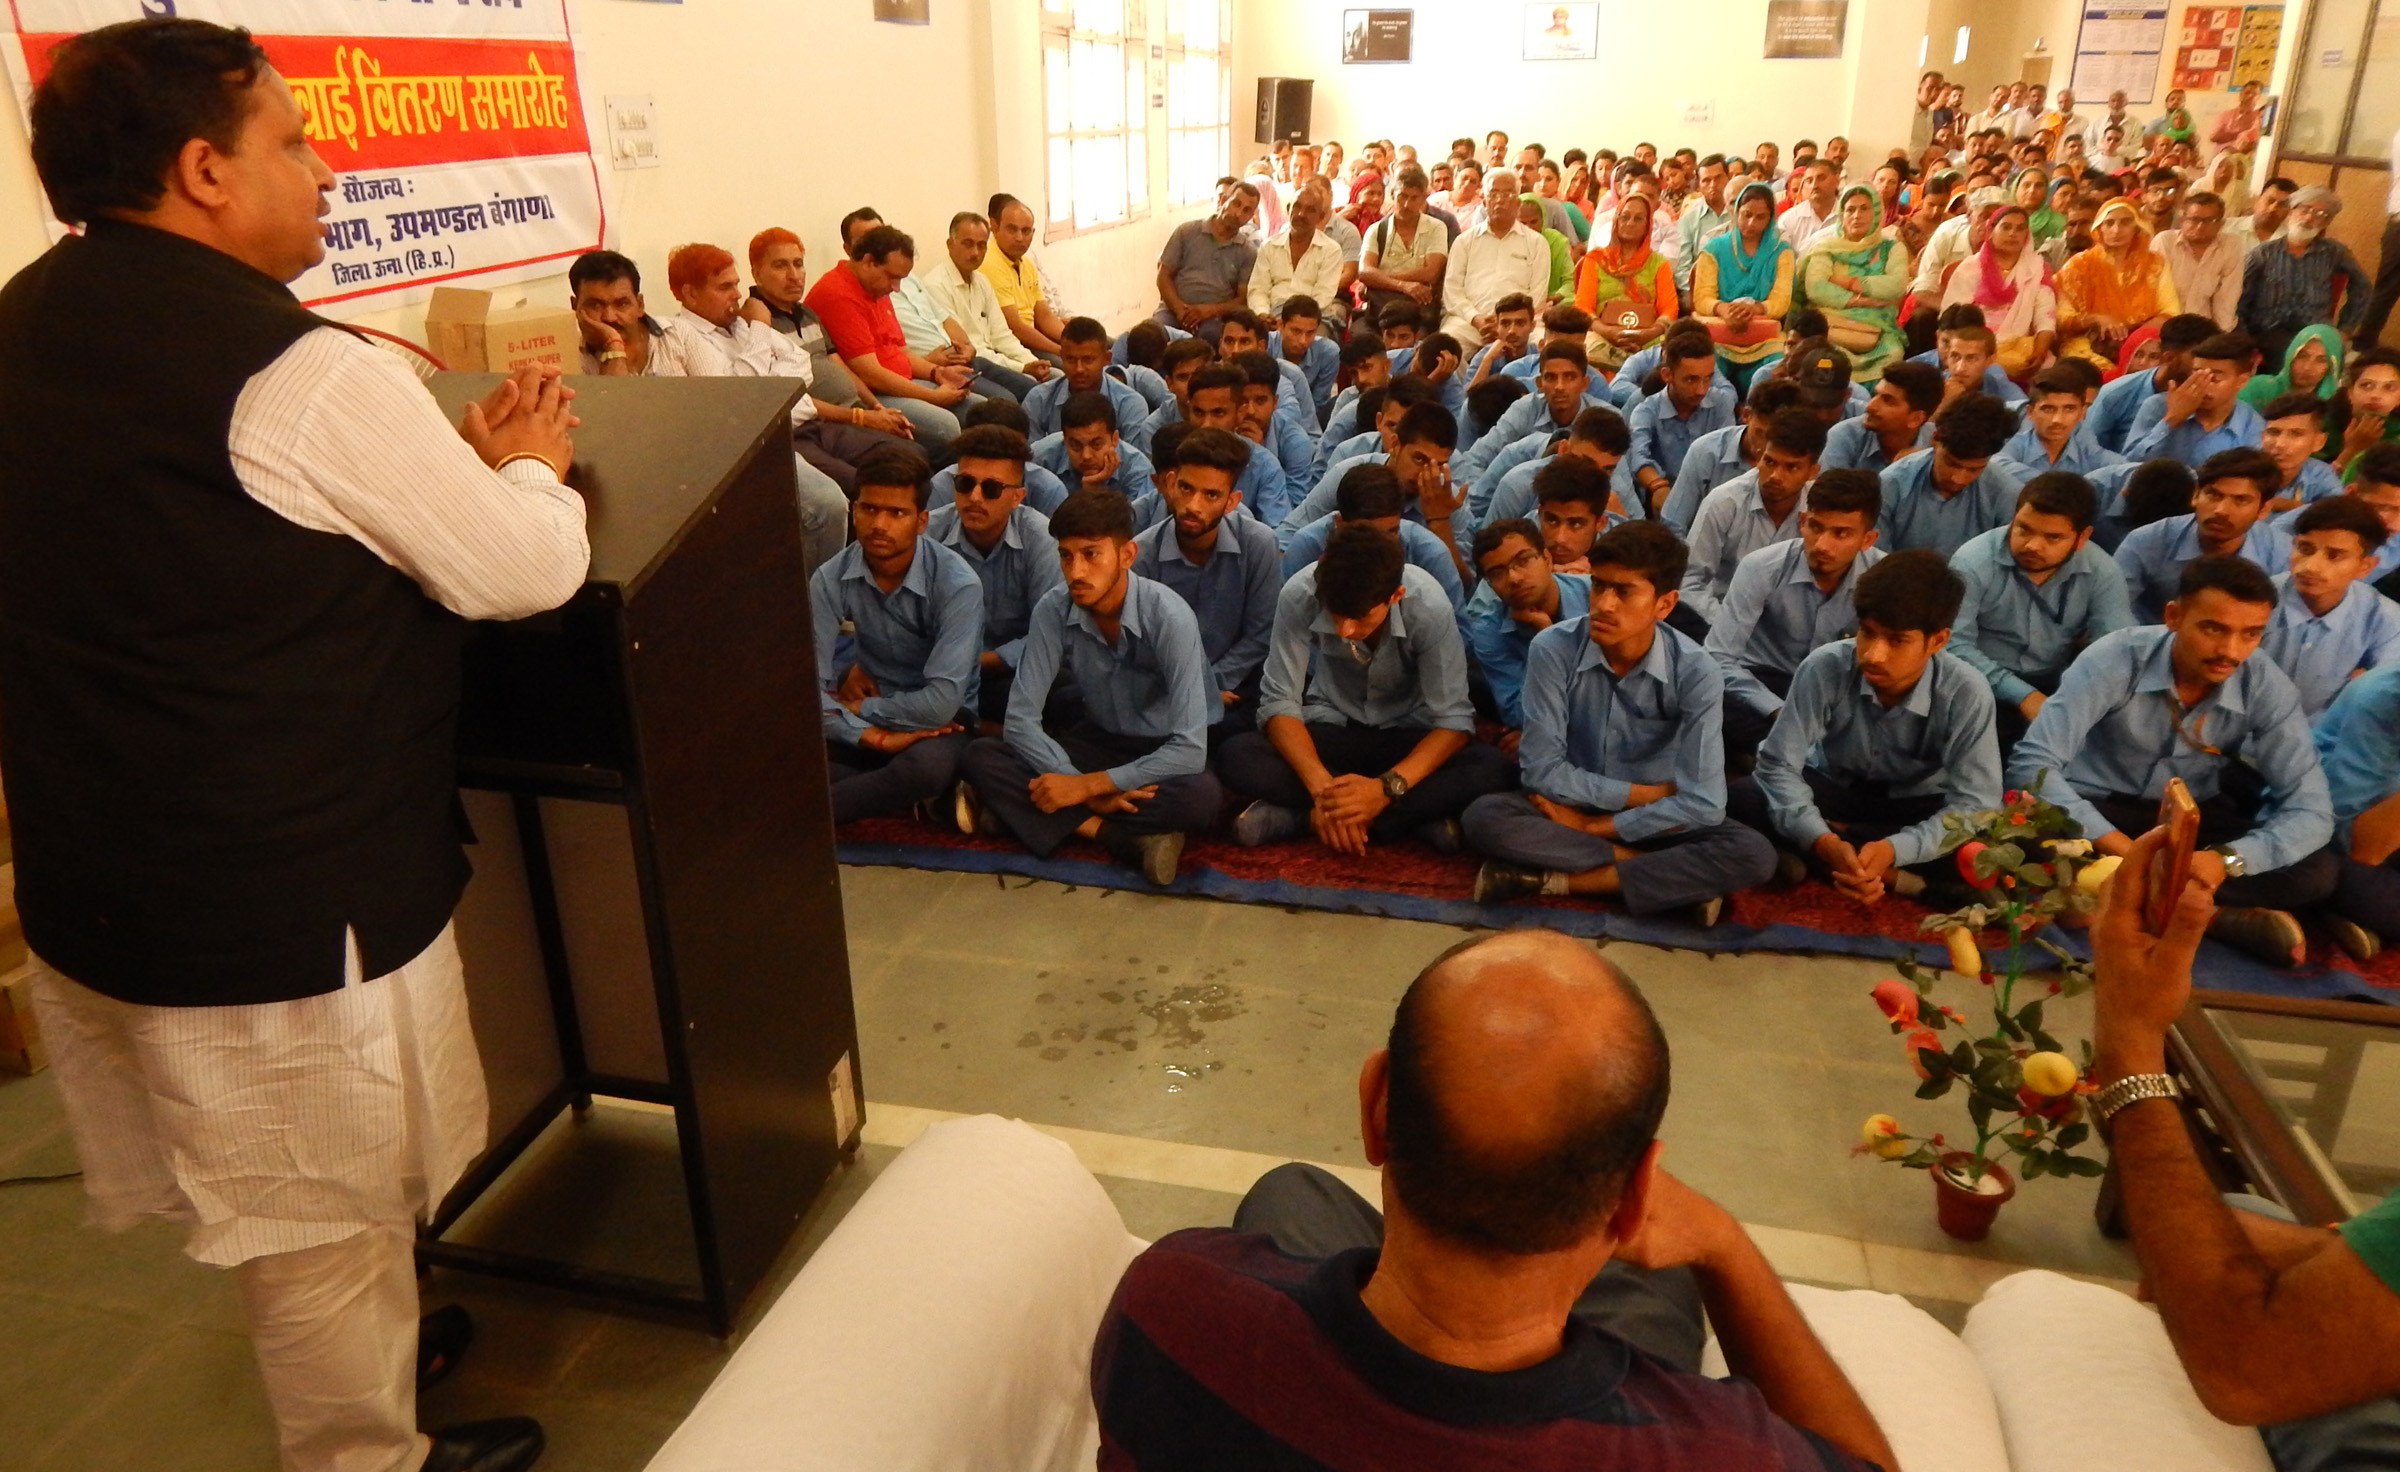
point(1177, 362)
point(2358, 743)
point(1750, 511)
point(1205, 266)
point(710, 338)
point(1880, 735)
point(1299, 260)
point(1693, 400)
point(854, 300)
point(1005, 541)
point(895, 719)
point(2290, 283)
point(1423, 437)
point(2038, 592)
point(849, 420)
point(2115, 288)
point(1940, 497)
point(1571, 509)
point(1266, 425)
point(1721, 455)
point(1497, 258)
point(1221, 562)
point(1295, 339)
point(1401, 256)
point(1532, 1298)
point(2330, 624)
point(2366, 411)
point(2008, 279)
point(1510, 349)
point(1213, 400)
point(1244, 331)
point(2291, 432)
point(1791, 598)
point(1083, 357)
point(1088, 451)
point(1370, 493)
point(963, 292)
point(2203, 413)
point(1894, 424)
point(1623, 760)
point(604, 290)
point(2228, 518)
point(1365, 363)
point(1742, 285)
point(1487, 401)
point(1043, 489)
point(2111, 417)
point(1017, 282)
point(1369, 734)
point(1563, 389)
point(2054, 437)
point(2205, 260)
point(1131, 771)
point(1969, 357)
point(2189, 699)
point(1521, 594)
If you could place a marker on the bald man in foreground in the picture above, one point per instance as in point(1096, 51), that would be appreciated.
point(1530, 1295)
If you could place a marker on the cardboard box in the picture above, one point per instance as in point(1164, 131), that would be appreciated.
point(472, 332)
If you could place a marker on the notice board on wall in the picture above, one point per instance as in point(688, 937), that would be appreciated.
point(1806, 30)
point(2117, 49)
point(2224, 46)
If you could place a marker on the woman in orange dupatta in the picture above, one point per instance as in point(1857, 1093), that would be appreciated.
point(2113, 289)
point(1626, 267)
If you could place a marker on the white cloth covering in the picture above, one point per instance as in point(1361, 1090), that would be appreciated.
point(335, 1331)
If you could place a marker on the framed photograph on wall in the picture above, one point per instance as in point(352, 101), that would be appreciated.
point(905, 12)
point(1375, 36)
point(1555, 32)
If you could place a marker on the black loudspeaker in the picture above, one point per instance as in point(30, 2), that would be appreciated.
point(1283, 108)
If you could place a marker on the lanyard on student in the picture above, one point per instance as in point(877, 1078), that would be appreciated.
point(2194, 736)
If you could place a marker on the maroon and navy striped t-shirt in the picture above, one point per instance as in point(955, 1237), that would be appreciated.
point(1220, 1352)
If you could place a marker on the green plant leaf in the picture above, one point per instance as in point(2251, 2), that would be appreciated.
point(1934, 1088)
point(2032, 1165)
point(2073, 1134)
point(1993, 1047)
point(2083, 1166)
point(1979, 1109)
point(1962, 1057)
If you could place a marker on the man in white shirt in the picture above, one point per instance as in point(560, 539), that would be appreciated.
point(964, 294)
point(710, 338)
point(2204, 260)
point(1705, 217)
point(2027, 120)
point(2068, 122)
point(1815, 210)
point(1497, 258)
point(1996, 111)
point(2118, 117)
point(1302, 261)
point(2270, 211)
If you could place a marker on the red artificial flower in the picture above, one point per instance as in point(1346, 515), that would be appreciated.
point(1897, 999)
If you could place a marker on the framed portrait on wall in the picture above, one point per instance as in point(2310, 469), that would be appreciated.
point(1375, 36)
point(1555, 32)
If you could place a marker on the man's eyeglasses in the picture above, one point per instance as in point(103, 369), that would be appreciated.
point(990, 490)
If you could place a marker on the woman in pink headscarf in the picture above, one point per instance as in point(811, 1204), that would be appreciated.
point(2010, 281)
point(1366, 200)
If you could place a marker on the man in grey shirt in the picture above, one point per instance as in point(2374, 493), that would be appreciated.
point(1204, 272)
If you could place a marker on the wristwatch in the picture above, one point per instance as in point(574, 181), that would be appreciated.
point(2130, 1089)
point(1395, 786)
point(2234, 867)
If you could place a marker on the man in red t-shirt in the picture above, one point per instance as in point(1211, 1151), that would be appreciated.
point(854, 301)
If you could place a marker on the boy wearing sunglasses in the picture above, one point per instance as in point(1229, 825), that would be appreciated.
point(1005, 541)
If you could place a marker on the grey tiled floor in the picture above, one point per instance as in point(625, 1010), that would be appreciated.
point(1184, 1020)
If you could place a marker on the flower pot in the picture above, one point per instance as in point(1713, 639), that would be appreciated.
point(1962, 1211)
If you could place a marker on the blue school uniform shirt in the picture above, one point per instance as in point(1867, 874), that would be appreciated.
point(1420, 546)
point(1733, 523)
point(1320, 366)
point(1415, 676)
point(1916, 515)
point(1323, 498)
point(2111, 416)
point(1590, 733)
point(1850, 445)
point(1713, 459)
point(2358, 746)
point(1015, 573)
point(922, 642)
point(2150, 437)
point(1049, 398)
point(1499, 643)
point(2152, 558)
point(1662, 437)
point(2010, 629)
point(1134, 474)
point(1937, 739)
point(1152, 681)
point(1995, 382)
point(2082, 455)
point(2319, 655)
point(1774, 615)
point(1232, 594)
point(1043, 489)
point(2113, 729)
point(1529, 415)
point(1143, 381)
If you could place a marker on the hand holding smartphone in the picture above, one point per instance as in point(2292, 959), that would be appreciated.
point(2179, 815)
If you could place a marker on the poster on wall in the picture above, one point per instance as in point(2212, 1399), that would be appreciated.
point(1806, 30)
point(456, 131)
point(1374, 36)
point(1562, 32)
point(905, 12)
point(2117, 49)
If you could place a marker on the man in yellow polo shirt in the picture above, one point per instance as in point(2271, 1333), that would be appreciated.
point(1018, 282)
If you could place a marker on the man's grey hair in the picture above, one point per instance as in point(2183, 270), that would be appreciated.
point(2320, 196)
point(1491, 181)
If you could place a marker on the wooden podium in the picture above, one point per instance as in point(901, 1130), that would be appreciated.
point(656, 914)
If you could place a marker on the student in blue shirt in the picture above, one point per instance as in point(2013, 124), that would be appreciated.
point(1896, 422)
point(1369, 494)
point(1424, 438)
point(1222, 563)
point(1511, 346)
point(1006, 542)
point(1624, 763)
point(1293, 339)
point(1369, 733)
point(2358, 744)
point(1213, 400)
point(1250, 333)
point(1131, 771)
point(1791, 598)
point(1969, 357)
point(1693, 401)
point(1599, 440)
point(1562, 390)
point(1487, 402)
point(2191, 699)
point(2291, 431)
point(1938, 498)
point(1133, 361)
point(1083, 347)
point(1880, 735)
point(2228, 516)
point(1572, 497)
point(2122, 397)
point(894, 718)
point(2038, 592)
point(1043, 489)
point(2329, 623)
point(1184, 357)
point(1723, 454)
point(1365, 365)
point(1754, 509)
point(2202, 414)
point(1088, 451)
point(2054, 437)
point(1265, 424)
point(1522, 593)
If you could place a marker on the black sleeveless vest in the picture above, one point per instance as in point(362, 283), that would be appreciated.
point(226, 739)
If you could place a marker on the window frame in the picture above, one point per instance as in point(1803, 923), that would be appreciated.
point(1179, 54)
point(2356, 83)
point(1132, 132)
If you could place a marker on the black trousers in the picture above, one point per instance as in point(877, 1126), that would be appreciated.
point(2009, 723)
point(1307, 1212)
point(1253, 768)
point(1745, 729)
point(1003, 780)
point(1861, 812)
point(875, 784)
point(836, 449)
point(1240, 716)
point(2387, 285)
point(2224, 818)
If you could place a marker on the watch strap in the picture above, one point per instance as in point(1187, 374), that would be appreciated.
point(2131, 1089)
point(1394, 785)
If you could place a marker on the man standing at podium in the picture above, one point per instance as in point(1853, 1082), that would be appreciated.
point(237, 547)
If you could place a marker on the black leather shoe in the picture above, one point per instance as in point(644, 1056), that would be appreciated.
point(442, 1337)
point(1499, 881)
point(508, 1444)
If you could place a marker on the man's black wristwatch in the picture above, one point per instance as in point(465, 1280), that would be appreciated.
point(1395, 786)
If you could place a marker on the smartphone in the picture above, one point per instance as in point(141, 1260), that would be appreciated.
point(2172, 865)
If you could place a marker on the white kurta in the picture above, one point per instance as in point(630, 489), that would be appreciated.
point(286, 1125)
